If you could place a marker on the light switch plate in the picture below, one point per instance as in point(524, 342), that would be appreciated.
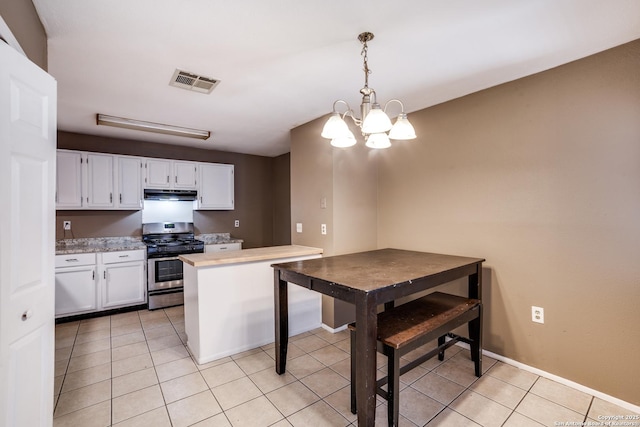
point(298, 227)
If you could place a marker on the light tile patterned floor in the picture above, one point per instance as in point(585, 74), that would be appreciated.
point(133, 369)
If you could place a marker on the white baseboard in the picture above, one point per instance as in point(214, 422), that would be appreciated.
point(333, 331)
point(561, 380)
point(540, 372)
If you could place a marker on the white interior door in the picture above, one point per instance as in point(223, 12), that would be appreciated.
point(27, 241)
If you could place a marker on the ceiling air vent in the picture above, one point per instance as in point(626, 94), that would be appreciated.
point(190, 81)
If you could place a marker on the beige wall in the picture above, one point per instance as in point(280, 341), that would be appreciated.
point(346, 178)
point(23, 21)
point(257, 188)
point(540, 176)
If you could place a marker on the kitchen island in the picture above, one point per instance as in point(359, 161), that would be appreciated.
point(229, 302)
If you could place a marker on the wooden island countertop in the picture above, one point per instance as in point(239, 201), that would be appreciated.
point(248, 255)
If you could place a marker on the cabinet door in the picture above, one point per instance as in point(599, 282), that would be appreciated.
point(184, 175)
point(157, 173)
point(216, 186)
point(75, 290)
point(100, 181)
point(129, 182)
point(123, 284)
point(68, 179)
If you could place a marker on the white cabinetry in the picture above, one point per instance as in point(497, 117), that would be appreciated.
point(94, 282)
point(170, 174)
point(157, 173)
point(75, 284)
point(122, 278)
point(98, 181)
point(129, 178)
point(99, 184)
point(68, 179)
point(185, 175)
point(222, 247)
point(216, 189)
point(104, 181)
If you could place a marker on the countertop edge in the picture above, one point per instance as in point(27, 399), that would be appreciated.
point(248, 255)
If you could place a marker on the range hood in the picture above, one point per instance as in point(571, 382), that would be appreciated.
point(177, 195)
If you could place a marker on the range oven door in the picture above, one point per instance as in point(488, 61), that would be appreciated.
point(164, 274)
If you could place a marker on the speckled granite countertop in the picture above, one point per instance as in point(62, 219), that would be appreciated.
point(112, 244)
point(217, 238)
point(98, 244)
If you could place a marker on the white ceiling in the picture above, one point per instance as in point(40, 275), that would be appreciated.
point(282, 63)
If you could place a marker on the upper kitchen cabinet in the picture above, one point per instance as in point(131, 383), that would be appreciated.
point(129, 179)
point(185, 175)
point(68, 179)
point(216, 187)
point(99, 181)
point(170, 174)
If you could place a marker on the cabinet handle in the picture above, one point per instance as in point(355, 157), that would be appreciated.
point(110, 197)
point(167, 179)
point(200, 199)
point(176, 179)
point(27, 315)
point(93, 275)
point(120, 197)
point(71, 260)
point(104, 274)
point(123, 256)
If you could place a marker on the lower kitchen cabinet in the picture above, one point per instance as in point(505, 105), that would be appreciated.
point(75, 284)
point(87, 283)
point(123, 278)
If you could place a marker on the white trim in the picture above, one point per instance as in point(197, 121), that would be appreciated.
point(7, 35)
point(333, 331)
point(564, 381)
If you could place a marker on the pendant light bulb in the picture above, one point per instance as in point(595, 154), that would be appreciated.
point(402, 129)
point(335, 127)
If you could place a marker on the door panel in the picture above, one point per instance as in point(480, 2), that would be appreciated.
point(27, 246)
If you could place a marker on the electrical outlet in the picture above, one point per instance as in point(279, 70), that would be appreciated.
point(236, 223)
point(537, 314)
point(66, 225)
point(323, 228)
point(298, 227)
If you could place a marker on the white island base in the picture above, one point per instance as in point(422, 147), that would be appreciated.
point(229, 300)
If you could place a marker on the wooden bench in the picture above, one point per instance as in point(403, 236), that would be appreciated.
point(408, 326)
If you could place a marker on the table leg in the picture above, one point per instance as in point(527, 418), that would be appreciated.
point(281, 322)
point(366, 333)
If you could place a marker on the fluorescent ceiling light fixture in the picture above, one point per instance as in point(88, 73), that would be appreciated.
point(121, 122)
point(374, 121)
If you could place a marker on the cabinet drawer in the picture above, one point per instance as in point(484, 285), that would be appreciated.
point(122, 256)
point(74, 260)
point(223, 247)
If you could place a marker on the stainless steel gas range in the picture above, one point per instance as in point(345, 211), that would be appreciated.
point(165, 241)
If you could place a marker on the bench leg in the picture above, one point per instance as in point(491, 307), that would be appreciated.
point(393, 384)
point(353, 372)
point(475, 334)
point(441, 352)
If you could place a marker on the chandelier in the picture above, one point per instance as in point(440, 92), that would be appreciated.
point(375, 122)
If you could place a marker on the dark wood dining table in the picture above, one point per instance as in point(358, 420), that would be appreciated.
point(367, 280)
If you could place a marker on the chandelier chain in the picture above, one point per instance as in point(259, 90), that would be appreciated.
point(367, 71)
